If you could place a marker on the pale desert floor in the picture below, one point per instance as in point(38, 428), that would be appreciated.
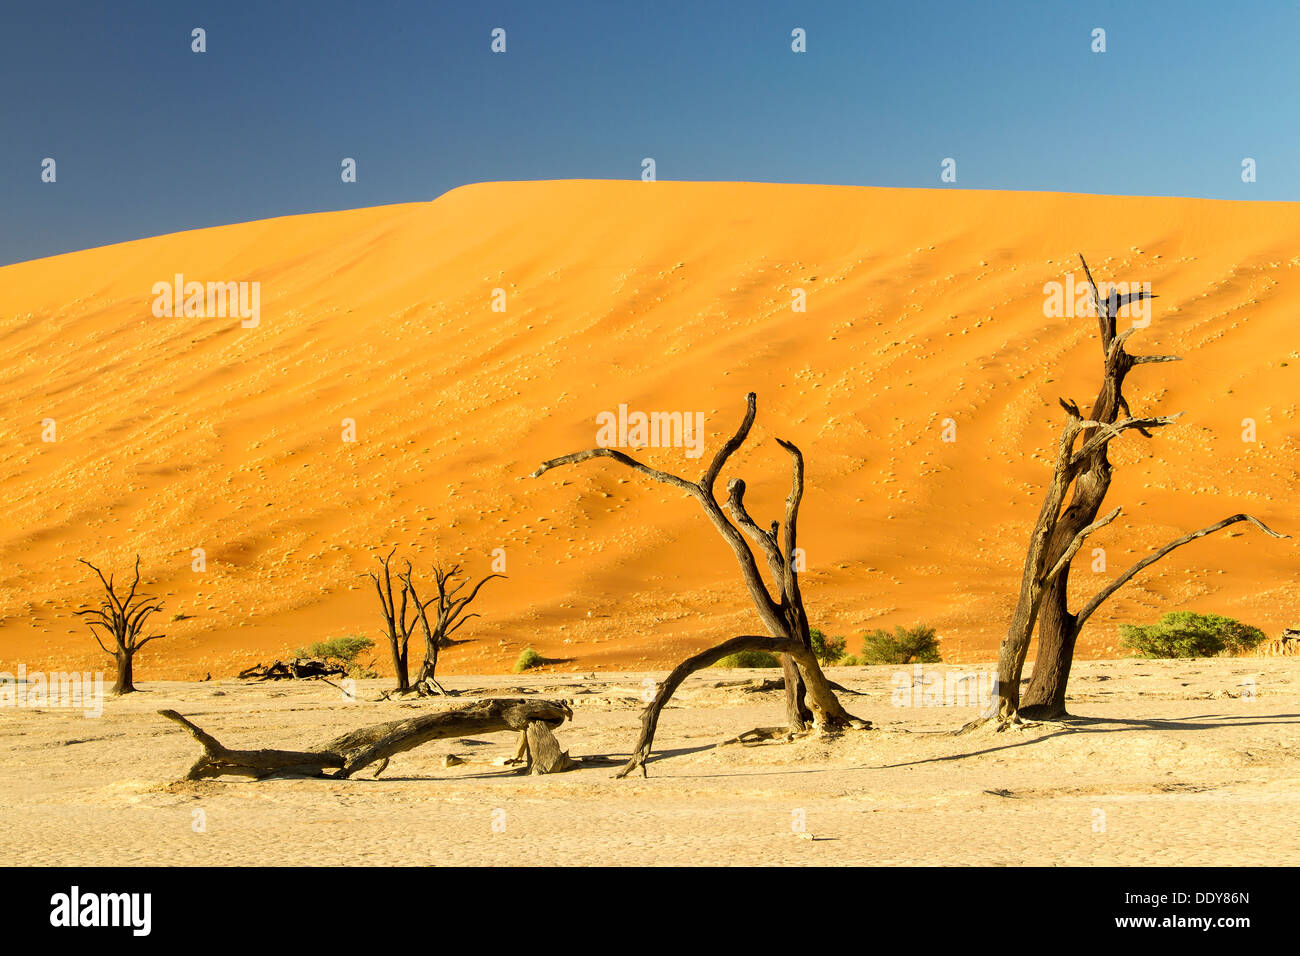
point(1169, 755)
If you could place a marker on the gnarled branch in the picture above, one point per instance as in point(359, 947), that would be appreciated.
point(1151, 559)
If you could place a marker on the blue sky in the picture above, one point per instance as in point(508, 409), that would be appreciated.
point(151, 138)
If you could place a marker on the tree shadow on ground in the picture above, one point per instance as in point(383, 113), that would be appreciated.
point(1107, 725)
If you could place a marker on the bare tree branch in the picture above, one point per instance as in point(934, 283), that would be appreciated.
point(1107, 432)
point(1151, 559)
point(622, 459)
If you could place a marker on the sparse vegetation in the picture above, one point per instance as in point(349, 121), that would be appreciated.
point(907, 645)
point(827, 650)
point(750, 659)
point(528, 659)
point(344, 650)
point(1188, 634)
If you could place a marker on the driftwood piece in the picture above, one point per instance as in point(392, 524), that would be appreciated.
point(353, 751)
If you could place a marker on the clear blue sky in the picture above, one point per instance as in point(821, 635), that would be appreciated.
point(151, 138)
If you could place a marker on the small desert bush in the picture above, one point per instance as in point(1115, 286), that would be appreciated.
point(750, 659)
point(345, 650)
point(827, 650)
point(528, 659)
point(1188, 634)
point(907, 645)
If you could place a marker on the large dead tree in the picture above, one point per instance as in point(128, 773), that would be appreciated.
point(1083, 471)
point(396, 623)
point(378, 743)
point(809, 697)
point(121, 619)
point(447, 619)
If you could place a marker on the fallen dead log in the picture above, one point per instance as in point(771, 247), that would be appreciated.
point(301, 668)
point(378, 743)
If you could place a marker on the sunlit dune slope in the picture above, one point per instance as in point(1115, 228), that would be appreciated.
point(174, 434)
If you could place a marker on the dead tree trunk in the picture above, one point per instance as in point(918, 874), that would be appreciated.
point(378, 743)
point(809, 698)
point(1045, 696)
point(398, 627)
point(122, 619)
point(446, 621)
point(1085, 473)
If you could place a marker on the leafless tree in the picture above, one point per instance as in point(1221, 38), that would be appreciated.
point(809, 697)
point(398, 626)
point(1083, 471)
point(121, 619)
point(448, 617)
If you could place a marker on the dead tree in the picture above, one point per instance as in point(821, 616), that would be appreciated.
point(378, 743)
point(447, 619)
point(1082, 470)
point(395, 619)
point(809, 698)
point(122, 619)
point(300, 668)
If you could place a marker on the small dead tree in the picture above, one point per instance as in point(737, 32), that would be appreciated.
point(447, 619)
point(810, 701)
point(121, 619)
point(395, 618)
point(1083, 472)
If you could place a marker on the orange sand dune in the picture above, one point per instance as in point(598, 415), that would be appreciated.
point(922, 305)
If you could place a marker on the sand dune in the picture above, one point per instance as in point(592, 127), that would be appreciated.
point(922, 305)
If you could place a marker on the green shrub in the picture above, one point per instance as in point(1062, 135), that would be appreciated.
point(528, 659)
point(1188, 634)
point(827, 650)
point(750, 659)
point(848, 660)
point(906, 645)
point(343, 649)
